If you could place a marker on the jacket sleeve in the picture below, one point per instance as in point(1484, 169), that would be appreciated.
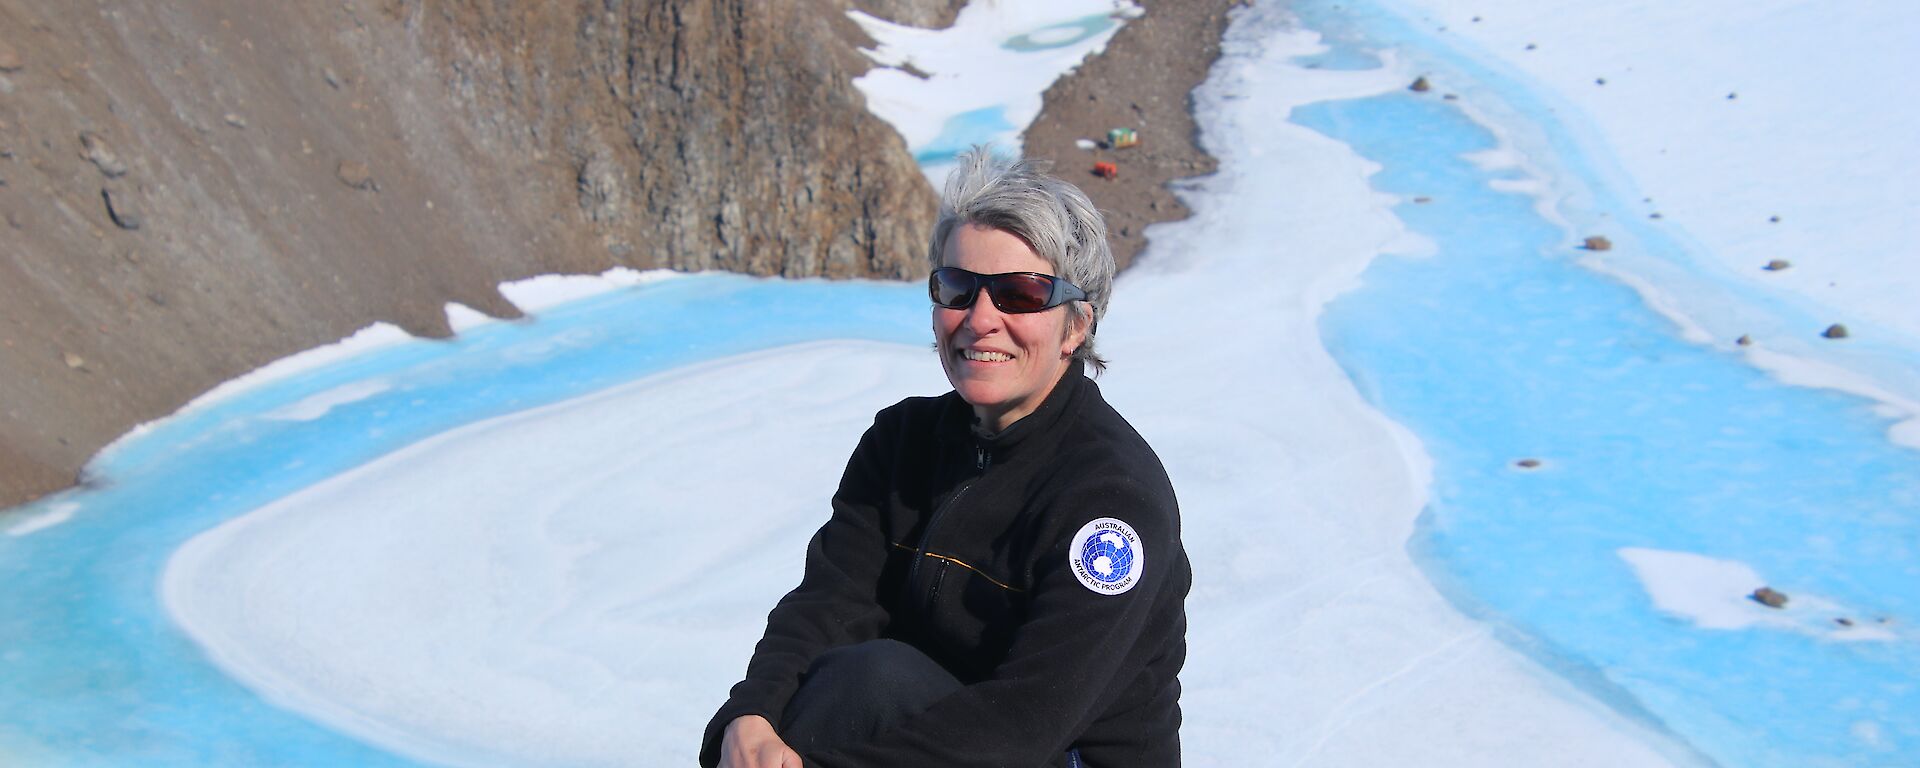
point(836, 603)
point(1073, 650)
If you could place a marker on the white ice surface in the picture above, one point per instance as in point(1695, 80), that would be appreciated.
point(317, 405)
point(968, 69)
point(1714, 594)
point(55, 515)
point(575, 584)
point(582, 582)
point(1820, 133)
point(540, 292)
point(461, 317)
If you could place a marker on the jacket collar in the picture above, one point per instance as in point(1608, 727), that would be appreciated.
point(957, 422)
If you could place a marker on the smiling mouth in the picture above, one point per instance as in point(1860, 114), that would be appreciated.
point(985, 357)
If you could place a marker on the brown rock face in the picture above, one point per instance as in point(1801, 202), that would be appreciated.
point(930, 14)
point(388, 156)
point(710, 135)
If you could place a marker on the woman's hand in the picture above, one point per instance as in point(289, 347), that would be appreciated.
point(751, 743)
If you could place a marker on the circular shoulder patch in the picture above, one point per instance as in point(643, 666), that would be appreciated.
point(1107, 556)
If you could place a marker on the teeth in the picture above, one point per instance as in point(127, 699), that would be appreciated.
point(985, 357)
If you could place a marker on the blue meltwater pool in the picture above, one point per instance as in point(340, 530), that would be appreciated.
point(1497, 348)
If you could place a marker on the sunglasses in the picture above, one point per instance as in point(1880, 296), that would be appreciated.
point(1012, 292)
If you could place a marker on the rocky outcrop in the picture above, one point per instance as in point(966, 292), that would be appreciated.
point(1144, 81)
point(714, 135)
point(189, 190)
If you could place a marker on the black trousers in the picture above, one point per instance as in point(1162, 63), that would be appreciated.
point(853, 692)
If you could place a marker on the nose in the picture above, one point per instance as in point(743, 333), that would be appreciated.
point(983, 317)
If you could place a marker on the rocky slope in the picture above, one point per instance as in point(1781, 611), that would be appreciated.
point(191, 189)
point(1144, 80)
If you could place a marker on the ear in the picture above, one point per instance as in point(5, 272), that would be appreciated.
point(1078, 323)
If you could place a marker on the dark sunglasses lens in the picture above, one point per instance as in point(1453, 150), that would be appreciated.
point(950, 287)
point(1021, 293)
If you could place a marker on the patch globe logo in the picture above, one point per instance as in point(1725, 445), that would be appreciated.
point(1107, 556)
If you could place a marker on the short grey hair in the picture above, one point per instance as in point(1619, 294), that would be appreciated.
point(1054, 217)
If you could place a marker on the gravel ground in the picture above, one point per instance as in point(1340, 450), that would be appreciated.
point(1143, 80)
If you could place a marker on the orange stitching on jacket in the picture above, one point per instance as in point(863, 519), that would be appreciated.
point(963, 564)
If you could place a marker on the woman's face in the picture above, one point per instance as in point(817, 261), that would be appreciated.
point(1002, 364)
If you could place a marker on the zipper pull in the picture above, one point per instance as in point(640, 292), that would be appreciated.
point(980, 457)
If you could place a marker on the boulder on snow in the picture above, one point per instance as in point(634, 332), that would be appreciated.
point(1768, 597)
point(1597, 243)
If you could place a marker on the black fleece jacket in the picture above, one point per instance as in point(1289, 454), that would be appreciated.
point(959, 544)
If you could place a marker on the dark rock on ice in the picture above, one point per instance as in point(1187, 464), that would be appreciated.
point(120, 210)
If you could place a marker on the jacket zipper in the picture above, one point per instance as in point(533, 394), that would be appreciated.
point(981, 460)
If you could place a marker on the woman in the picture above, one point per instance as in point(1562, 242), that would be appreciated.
point(1001, 581)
